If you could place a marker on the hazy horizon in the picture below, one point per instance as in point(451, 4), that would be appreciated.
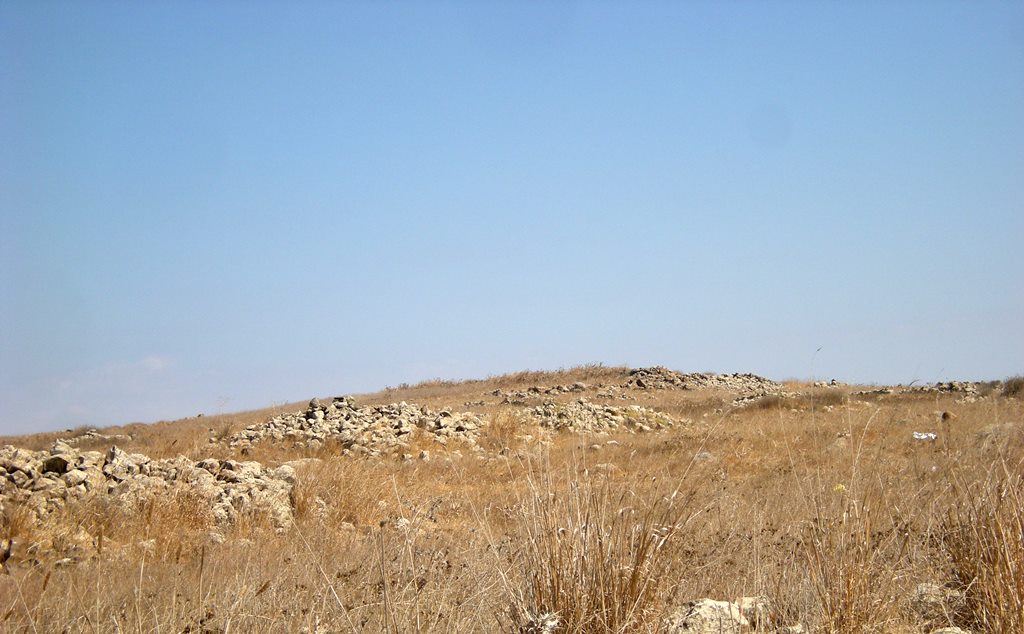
point(218, 207)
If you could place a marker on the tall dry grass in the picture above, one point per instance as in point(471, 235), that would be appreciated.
point(590, 552)
point(984, 538)
point(836, 514)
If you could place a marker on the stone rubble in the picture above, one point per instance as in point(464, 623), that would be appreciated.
point(584, 416)
point(373, 430)
point(520, 397)
point(93, 434)
point(879, 391)
point(829, 384)
point(614, 392)
point(661, 378)
point(45, 481)
point(949, 387)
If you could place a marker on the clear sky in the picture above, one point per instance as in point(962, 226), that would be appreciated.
point(218, 206)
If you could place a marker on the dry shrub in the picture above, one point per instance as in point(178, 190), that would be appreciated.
point(593, 555)
point(984, 537)
point(341, 490)
point(16, 520)
point(588, 372)
point(769, 401)
point(1014, 386)
point(828, 397)
point(851, 564)
point(855, 546)
point(504, 430)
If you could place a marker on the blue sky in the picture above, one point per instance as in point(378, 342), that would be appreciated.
point(220, 206)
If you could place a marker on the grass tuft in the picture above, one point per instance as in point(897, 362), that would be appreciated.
point(1014, 387)
point(593, 554)
point(984, 538)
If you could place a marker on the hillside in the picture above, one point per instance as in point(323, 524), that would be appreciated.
point(593, 499)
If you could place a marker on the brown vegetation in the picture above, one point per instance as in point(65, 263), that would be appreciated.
point(824, 503)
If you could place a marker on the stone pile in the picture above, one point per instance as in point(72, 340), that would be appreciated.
point(519, 397)
point(45, 481)
point(583, 416)
point(371, 431)
point(94, 435)
point(660, 378)
point(950, 387)
point(656, 378)
point(614, 392)
point(829, 384)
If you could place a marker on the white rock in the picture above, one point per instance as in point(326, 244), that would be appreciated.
point(707, 616)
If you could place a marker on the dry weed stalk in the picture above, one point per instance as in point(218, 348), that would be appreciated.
point(592, 553)
point(984, 537)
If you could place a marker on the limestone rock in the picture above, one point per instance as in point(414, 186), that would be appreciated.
point(42, 482)
point(936, 604)
point(707, 616)
point(361, 430)
point(584, 416)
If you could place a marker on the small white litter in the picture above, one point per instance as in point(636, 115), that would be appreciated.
point(924, 435)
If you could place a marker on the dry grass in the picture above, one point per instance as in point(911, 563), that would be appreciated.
point(437, 391)
point(823, 503)
point(1014, 386)
point(851, 551)
point(591, 553)
point(984, 537)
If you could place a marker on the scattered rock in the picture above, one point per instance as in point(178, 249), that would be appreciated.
point(520, 397)
point(614, 392)
point(829, 384)
point(661, 378)
point(93, 435)
point(881, 391)
point(546, 623)
point(585, 416)
point(361, 430)
point(950, 387)
point(44, 483)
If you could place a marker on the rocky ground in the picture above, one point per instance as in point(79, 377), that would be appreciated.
point(332, 478)
point(46, 482)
